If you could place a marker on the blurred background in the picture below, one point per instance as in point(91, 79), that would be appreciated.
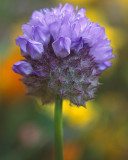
point(99, 132)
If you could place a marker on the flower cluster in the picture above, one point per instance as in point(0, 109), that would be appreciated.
point(64, 54)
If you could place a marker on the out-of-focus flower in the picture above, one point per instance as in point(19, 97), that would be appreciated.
point(72, 151)
point(30, 135)
point(10, 86)
point(64, 54)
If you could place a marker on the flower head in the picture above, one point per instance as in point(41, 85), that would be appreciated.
point(64, 52)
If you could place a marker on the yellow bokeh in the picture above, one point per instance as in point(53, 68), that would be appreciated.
point(75, 116)
point(79, 116)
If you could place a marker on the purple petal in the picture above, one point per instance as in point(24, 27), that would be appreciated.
point(108, 64)
point(22, 68)
point(75, 30)
point(77, 44)
point(36, 15)
point(37, 19)
point(51, 19)
point(102, 54)
point(57, 10)
point(83, 24)
point(27, 30)
point(40, 34)
point(94, 33)
point(68, 8)
point(81, 13)
point(54, 29)
point(65, 30)
point(61, 47)
point(21, 41)
point(35, 49)
point(102, 67)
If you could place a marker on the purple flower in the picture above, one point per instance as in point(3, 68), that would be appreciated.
point(62, 46)
point(64, 52)
point(23, 68)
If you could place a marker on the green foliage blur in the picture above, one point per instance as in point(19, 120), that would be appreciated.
point(27, 127)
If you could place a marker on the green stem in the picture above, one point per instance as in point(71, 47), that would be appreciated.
point(58, 118)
